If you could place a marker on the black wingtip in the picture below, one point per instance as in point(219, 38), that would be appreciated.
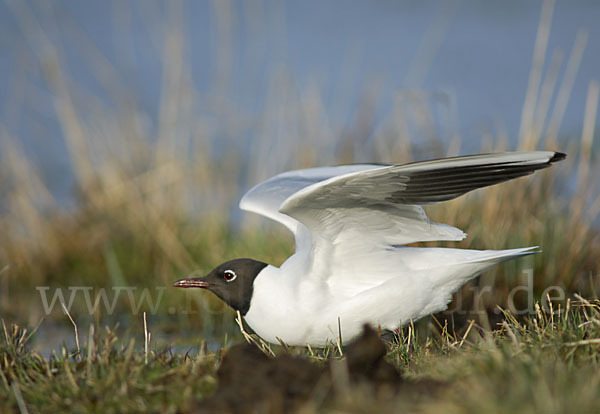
point(558, 156)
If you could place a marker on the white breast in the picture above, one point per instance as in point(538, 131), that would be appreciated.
point(300, 310)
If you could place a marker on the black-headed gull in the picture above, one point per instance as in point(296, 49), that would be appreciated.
point(350, 266)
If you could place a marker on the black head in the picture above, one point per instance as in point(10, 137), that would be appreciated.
point(232, 281)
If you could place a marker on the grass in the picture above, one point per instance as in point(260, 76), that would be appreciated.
point(105, 378)
point(545, 363)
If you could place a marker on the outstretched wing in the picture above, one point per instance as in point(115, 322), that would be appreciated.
point(423, 182)
point(377, 208)
point(266, 198)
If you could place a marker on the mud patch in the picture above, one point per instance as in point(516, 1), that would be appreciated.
point(249, 381)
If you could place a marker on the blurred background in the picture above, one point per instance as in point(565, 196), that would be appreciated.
point(129, 130)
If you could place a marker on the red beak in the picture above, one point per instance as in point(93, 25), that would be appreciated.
point(194, 282)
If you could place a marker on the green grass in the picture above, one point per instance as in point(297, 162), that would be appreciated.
point(544, 363)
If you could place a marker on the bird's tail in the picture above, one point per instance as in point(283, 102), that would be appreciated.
point(469, 264)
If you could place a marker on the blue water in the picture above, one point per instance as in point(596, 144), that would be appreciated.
point(480, 57)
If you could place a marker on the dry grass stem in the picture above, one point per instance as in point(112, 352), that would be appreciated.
point(462, 341)
point(593, 341)
point(19, 398)
point(146, 339)
point(253, 339)
point(75, 328)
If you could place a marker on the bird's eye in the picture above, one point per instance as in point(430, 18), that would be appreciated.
point(229, 275)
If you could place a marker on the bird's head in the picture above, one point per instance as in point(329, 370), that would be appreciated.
point(232, 281)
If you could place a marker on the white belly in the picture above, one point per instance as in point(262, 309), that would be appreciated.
point(307, 314)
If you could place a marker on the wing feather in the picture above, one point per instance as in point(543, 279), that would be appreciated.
point(418, 183)
point(266, 198)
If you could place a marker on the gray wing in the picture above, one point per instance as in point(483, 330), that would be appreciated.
point(381, 206)
point(417, 183)
point(350, 219)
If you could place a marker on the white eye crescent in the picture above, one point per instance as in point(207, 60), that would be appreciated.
point(229, 276)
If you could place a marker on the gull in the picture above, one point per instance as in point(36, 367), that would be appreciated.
point(352, 265)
